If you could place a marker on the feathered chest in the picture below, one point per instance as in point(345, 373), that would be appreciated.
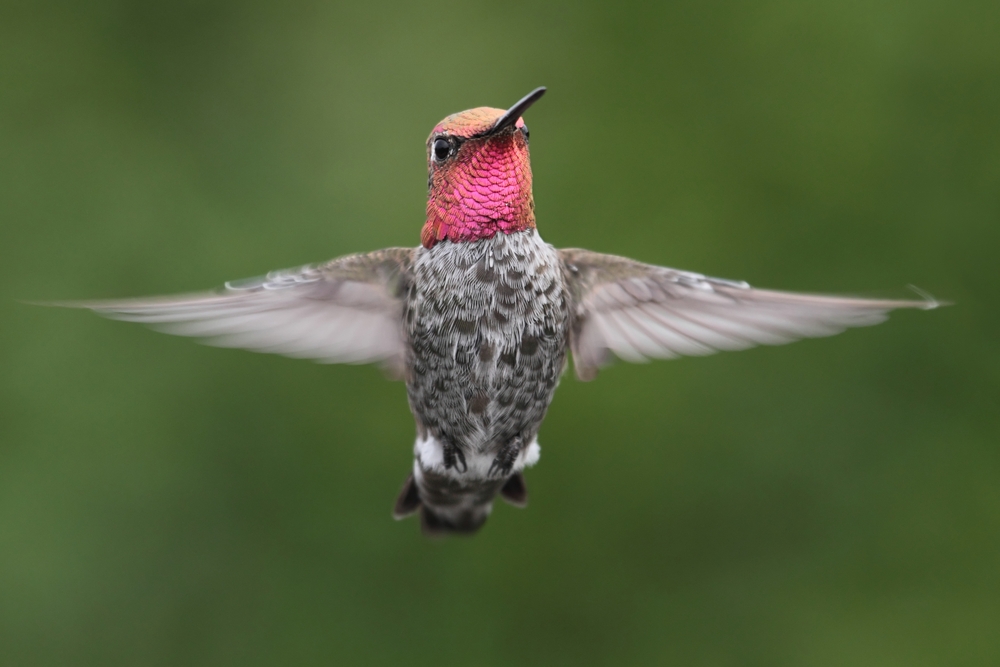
point(487, 325)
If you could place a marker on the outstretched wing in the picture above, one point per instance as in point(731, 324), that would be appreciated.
point(347, 310)
point(638, 311)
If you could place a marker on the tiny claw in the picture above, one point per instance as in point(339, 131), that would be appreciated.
point(504, 461)
point(453, 456)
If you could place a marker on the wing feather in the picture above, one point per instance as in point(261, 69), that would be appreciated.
point(348, 310)
point(635, 311)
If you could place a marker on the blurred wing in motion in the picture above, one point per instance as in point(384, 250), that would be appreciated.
point(637, 311)
point(348, 310)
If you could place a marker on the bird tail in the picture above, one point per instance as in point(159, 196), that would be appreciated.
point(436, 522)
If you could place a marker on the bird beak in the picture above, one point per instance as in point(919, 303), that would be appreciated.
point(513, 113)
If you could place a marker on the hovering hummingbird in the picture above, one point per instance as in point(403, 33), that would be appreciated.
point(479, 318)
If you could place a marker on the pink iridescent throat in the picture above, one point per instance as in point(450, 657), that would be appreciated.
point(484, 189)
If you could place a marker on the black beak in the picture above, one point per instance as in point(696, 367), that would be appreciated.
point(515, 112)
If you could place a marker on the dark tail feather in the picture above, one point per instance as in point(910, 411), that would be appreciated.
point(514, 491)
point(434, 525)
point(408, 500)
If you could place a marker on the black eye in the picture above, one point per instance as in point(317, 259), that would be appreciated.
point(527, 135)
point(442, 148)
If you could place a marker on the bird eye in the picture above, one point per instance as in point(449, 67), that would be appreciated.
point(442, 149)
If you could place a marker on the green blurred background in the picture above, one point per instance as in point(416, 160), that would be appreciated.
point(834, 502)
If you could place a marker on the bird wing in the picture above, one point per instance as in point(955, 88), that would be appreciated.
point(348, 310)
point(637, 311)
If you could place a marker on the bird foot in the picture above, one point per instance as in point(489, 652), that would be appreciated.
point(504, 461)
point(454, 458)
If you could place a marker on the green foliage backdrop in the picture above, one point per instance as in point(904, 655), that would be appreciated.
point(835, 502)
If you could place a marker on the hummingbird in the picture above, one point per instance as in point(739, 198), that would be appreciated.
point(479, 319)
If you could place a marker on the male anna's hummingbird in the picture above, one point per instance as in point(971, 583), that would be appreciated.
point(478, 319)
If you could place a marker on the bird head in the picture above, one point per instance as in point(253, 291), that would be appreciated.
point(479, 175)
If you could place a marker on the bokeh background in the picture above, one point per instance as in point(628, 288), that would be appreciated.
point(834, 502)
